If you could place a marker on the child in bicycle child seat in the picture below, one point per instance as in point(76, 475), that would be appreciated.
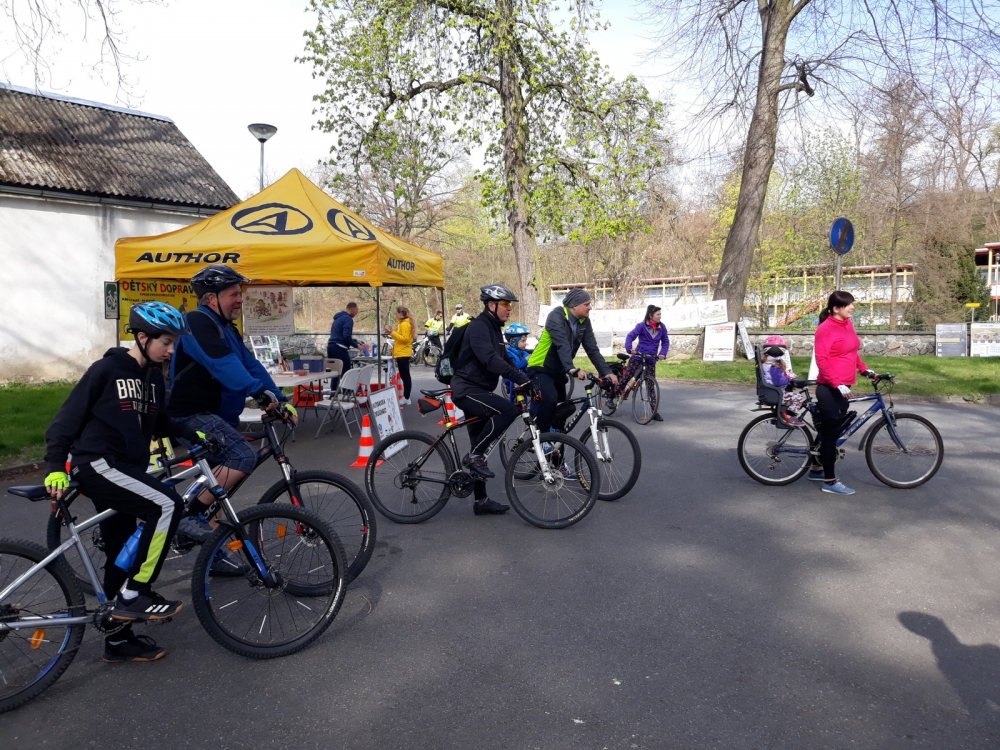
point(516, 335)
point(778, 373)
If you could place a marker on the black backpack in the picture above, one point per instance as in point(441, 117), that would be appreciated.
point(448, 362)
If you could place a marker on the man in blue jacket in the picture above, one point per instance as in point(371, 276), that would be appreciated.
point(213, 373)
point(342, 335)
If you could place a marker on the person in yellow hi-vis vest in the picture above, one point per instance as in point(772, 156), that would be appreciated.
point(434, 327)
point(402, 347)
point(459, 319)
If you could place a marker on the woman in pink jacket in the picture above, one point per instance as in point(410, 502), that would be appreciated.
point(838, 361)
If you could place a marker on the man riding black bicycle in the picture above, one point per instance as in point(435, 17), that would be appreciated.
point(482, 360)
point(567, 328)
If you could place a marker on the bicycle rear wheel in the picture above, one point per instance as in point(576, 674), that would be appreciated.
point(33, 658)
point(772, 453)
point(339, 502)
point(431, 355)
point(407, 479)
point(915, 462)
point(569, 493)
point(645, 399)
point(267, 620)
point(56, 534)
point(516, 434)
point(620, 461)
point(610, 404)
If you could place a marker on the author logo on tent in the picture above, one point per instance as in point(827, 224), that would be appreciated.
point(272, 219)
point(349, 226)
point(401, 265)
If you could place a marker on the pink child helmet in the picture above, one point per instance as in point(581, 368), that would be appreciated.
point(776, 341)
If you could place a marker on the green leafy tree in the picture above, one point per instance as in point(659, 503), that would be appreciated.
point(971, 286)
point(568, 148)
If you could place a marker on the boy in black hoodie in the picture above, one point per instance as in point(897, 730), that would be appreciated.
point(107, 422)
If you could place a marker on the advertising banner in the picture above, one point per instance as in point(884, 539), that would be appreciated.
point(384, 408)
point(268, 310)
point(985, 340)
point(176, 293)
point(745, 338)
point(712, 313)
point(951, 340)
point(720, 341)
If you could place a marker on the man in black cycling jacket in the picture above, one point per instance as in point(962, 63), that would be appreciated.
point(482, 360)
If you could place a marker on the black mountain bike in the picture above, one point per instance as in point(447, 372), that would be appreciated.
point(335, 498)
point(552, 480)
point(641, 387)
point(615, 447)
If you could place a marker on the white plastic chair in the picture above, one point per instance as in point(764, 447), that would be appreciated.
point(345, 399)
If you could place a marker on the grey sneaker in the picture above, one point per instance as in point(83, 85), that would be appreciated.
point(195, 527)
point(837, 488)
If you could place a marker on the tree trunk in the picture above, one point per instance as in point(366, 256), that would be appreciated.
point(515, 166)
point(758, 160)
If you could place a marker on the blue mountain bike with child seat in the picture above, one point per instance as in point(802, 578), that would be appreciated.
point(902, 450)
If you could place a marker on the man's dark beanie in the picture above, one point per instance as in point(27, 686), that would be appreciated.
point(575, 297)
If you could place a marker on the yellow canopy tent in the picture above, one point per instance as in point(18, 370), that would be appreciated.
point(289, 233)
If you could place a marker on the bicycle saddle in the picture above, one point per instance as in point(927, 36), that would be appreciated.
point(35, 492)
point(624, 357)
point(436, 394)
point(796, 383)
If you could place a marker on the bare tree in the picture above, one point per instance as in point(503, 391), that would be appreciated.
point(32, 29)
point(752, 57)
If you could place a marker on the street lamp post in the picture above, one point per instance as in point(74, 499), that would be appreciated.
point(262, 132)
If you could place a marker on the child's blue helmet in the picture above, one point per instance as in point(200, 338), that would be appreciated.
point(156, 318)
point(516, 329)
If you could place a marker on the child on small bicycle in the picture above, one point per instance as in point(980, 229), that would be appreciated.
point(107, 422)
point(777, 371)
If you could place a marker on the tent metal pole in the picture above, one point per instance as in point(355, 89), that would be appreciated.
point(378, 331)
point(444, 311)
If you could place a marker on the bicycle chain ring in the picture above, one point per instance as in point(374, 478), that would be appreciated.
point(103, 621)
point(461, 484)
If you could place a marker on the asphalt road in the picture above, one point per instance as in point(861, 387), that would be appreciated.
point(702, 610)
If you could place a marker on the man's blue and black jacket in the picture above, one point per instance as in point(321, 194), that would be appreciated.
point(212, 372)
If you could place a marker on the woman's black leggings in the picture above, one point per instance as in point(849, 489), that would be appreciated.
point(832, 410)
point(403, 366)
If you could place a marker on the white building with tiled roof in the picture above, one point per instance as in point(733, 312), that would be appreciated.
point(74, 177)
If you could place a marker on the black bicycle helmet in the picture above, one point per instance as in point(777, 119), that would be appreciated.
point(215, 279)
point(156, 318)
point(496, 293)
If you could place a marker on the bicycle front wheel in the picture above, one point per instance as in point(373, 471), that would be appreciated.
point(339, 502)
point(93, 542)
point(912, 460)
point(645, 399)
point(264, 617)
point(773, 453)
point(619, 458)
point(34, 657)
point(407, 477)
point(557, 492)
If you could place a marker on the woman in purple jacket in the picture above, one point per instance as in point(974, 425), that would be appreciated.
point(648, 337)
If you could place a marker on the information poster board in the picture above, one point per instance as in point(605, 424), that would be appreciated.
point(985, 340)
point(175, 293)
point(267, 351)
point(110, 300)
point(720, 341)
point(384, 408)
point(713, 312)
point(268, 310)
point(950, 340)
point(745, 338)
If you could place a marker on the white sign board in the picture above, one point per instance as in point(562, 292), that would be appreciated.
point(712, 313)
point(384, 408)
point(720, 340)
point(985, 340)
point(745, 338)
point(268, 310)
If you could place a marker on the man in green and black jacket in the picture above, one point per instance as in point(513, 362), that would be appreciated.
point(566, 328)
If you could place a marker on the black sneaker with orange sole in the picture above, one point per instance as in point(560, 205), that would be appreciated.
point(127, 646)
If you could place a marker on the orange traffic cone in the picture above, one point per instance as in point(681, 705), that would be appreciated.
point(399, 386)
point(452, 413)
point(366, 445)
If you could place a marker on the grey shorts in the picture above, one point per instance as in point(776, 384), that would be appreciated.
point(239, 454)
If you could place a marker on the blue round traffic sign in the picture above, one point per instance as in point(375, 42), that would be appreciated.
point(842, 236)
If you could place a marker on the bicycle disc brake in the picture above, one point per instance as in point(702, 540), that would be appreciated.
point(461, 484)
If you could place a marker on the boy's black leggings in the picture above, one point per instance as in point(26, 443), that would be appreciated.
point(135, 495)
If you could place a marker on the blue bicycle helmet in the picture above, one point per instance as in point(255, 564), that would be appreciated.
point(516, 329)
point(156, 318)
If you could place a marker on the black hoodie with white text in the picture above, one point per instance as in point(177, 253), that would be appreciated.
point(112, 413)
